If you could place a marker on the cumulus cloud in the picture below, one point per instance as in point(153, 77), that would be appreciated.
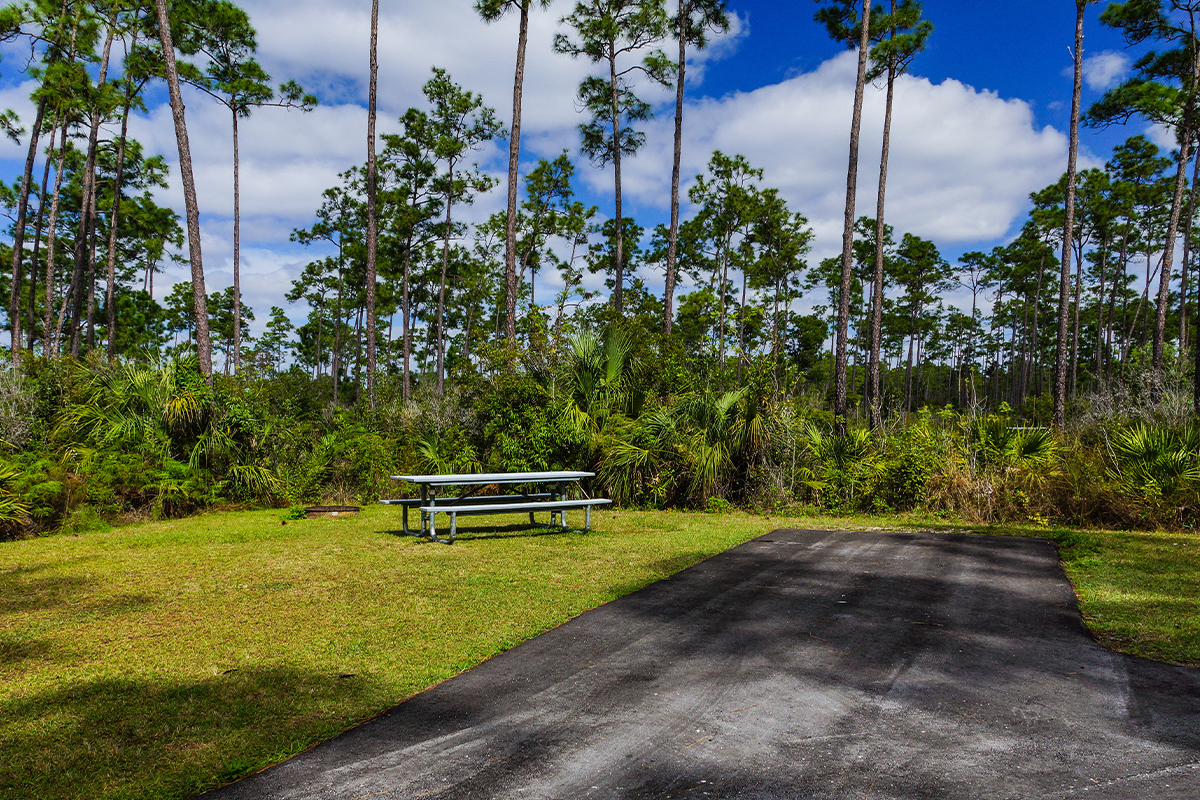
point(289, 158)
point(1162, 136)
point(963, 161)
point(1103, 69)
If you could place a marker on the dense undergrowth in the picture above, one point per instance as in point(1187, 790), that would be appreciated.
point(89, 443)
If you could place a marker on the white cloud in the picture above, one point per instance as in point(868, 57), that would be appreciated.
point(1162, 136)
point(289, 158)
point(325, 47)
point(962, 161)
point(1103, 69)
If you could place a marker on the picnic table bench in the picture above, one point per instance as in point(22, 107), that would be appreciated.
point(548, 493)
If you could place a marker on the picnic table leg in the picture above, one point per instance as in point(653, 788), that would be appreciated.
point(587, 519)
point(433, 528)
point(424, 502)
point(407, 530)
point(453, 527)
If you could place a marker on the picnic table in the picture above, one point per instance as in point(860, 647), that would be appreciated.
point(534, 491)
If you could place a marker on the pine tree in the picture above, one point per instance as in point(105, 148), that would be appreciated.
point(609, 32)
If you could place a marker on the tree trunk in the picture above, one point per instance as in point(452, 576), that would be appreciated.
point(1100, 309)
point(1145, 294)
point(114, 216)
point(86, 221)
point(320, 319)
point(997, 307)
point(91, 277)
point(237, 253)
point(388, 359)
point(337, 332)
point(199, 298)
point(37, 243)
point(1034, 345)
point(876, 404)
point(50, 342)
point(1123, 260)
point(514, 155)
point(1016, 388)
point(23, 208)
point(406, 322)
point(742, 329)
point(1064, 283)
point(843, 318)
point(721, 296)
point(912, 335)
point(1185, 142)
point(358, 354)
point(1075, 334)
point(685, 11)
point(372, 209)
point(971, 347)
point(467, 334)
point(620, 222)
point(775, 331)
point(1164, 276)
point(14, 301)
point(1187, 253)
point(441, 314)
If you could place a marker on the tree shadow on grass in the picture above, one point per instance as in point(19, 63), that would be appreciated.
point(117, 737)
point(24, 589)
point(480, 533)
point(14, 649)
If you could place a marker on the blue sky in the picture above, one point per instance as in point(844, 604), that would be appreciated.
point(1019, 49)
point(979, 124)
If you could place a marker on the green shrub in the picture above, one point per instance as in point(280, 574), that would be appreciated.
point(908, 465)
point(521, 432)
point(14, 513)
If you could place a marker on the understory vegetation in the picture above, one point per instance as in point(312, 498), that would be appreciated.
point(93, 443)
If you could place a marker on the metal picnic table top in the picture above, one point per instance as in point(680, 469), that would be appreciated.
point(485, 478)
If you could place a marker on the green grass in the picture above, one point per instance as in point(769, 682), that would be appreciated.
point(161, 659)
point(1140, 592)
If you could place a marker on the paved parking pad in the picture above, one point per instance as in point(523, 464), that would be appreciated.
point(803, 664)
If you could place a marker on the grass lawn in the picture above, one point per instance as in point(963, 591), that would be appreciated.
point(162, 659)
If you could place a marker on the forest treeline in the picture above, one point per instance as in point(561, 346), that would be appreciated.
point(745, 373)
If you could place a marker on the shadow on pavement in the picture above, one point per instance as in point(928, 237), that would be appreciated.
point(814, 664)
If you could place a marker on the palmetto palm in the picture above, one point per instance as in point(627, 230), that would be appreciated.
point(1156, 460)
point(163, 412)
point(131, 406)
point(701, 441)
point(721, 429)
point(996, 443)
point(644, 458)
point(13, 512)
point(837, 463)
point(600, 384)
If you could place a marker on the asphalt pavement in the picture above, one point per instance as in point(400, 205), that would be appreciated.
point(803, 664)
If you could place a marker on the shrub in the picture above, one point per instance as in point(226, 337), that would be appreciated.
point(14, 514)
